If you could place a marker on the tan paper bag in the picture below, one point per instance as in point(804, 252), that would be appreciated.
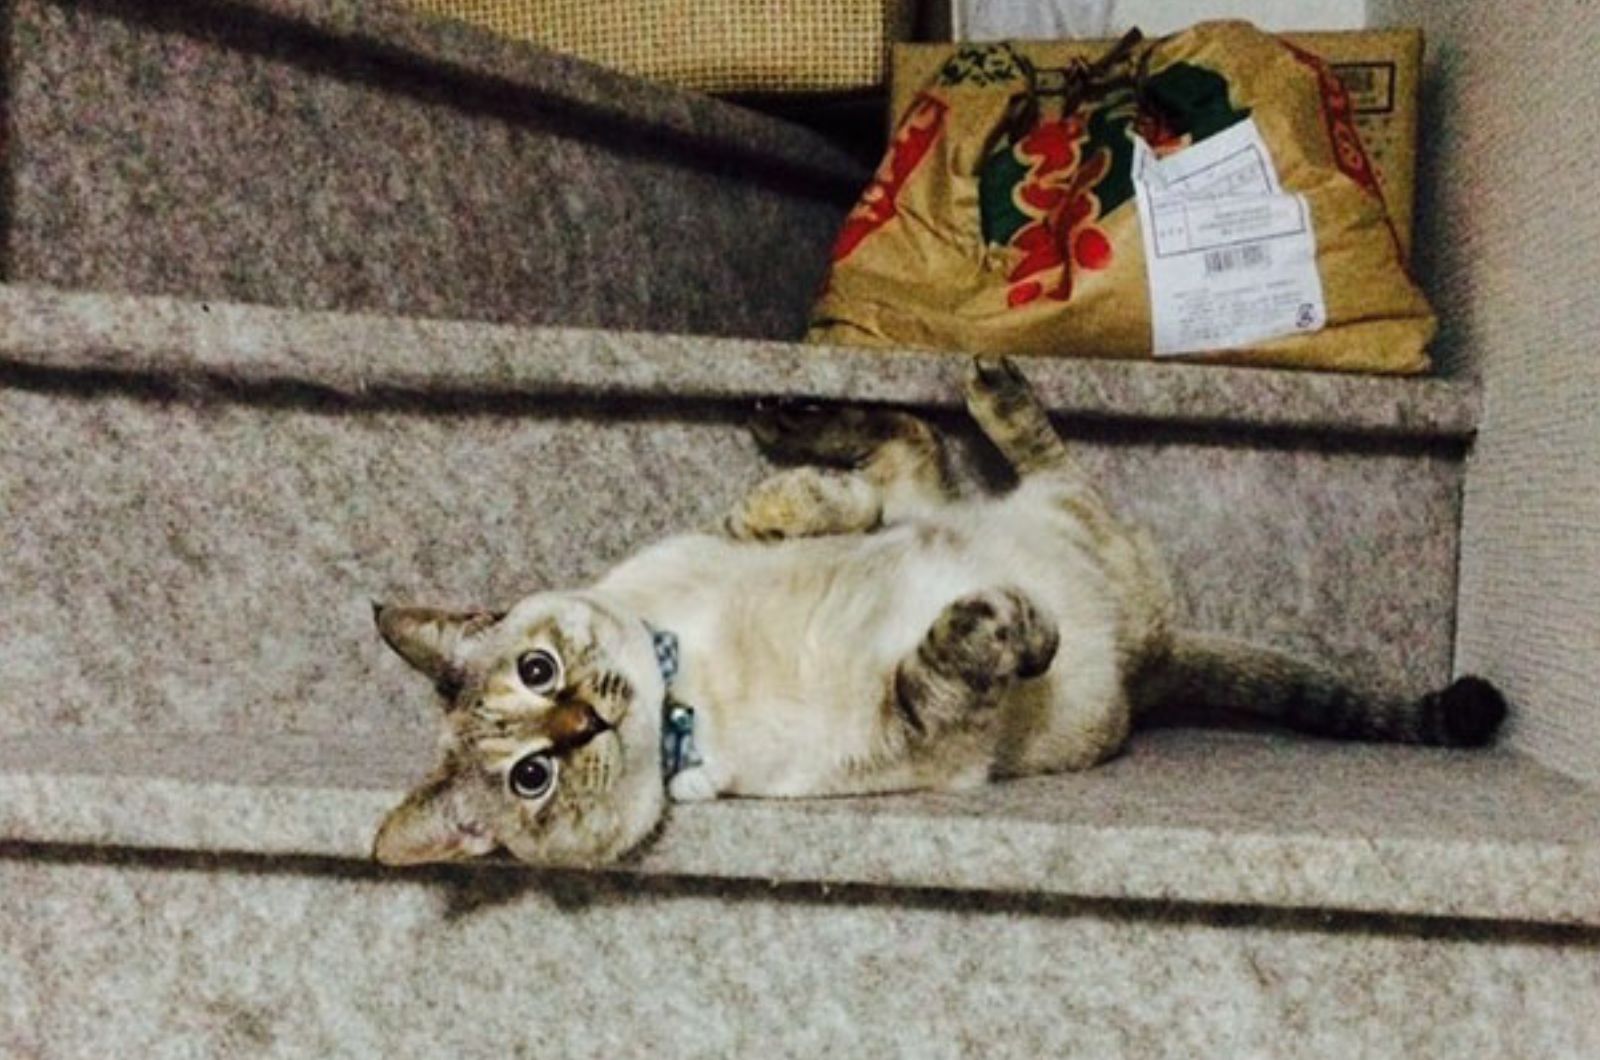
point(1006, 215)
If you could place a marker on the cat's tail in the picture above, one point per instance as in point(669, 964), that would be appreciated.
point(1203, 676)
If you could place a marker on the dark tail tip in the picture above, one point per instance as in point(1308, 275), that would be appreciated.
point(1469, 712)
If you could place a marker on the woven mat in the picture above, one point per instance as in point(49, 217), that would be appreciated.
point(755, 46)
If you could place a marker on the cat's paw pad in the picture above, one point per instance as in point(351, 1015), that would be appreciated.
point(991, 372)
point(996, 635)
point(979, 645)
point(692, 785)
point(835, 435)
point(996, 385)
point(789, 430)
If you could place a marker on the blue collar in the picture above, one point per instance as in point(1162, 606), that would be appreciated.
point(678, 750)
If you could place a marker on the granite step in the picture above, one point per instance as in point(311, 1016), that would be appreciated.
point(1190, 817)
point(189, 485)
point(201, 731)
point(1206, 894)
point(324, 154)
point(199, 494)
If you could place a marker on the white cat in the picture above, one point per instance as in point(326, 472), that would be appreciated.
point(845, 631)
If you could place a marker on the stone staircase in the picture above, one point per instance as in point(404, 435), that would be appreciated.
point(232, 413)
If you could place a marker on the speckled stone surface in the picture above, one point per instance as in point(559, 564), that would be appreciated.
point(328, 153)
point(192, 542)
point(367, 356)
point(160, 956)
point(1188, 816)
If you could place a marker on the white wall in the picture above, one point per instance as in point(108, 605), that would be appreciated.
point(1509, 248)
point(994, 19)
point(1169, 16)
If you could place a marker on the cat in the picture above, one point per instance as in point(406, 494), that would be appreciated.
point(851, 627)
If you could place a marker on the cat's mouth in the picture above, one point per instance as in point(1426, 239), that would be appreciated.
point(574, 726)
point(592, 767)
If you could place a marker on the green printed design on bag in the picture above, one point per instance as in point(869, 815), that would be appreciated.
point(982, 67)
point(1042, 192)
point(1192, 101)
point(1184, 104)
point(1108, 129)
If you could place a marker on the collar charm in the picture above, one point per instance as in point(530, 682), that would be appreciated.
point(678, 750)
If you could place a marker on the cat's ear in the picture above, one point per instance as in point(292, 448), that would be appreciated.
point(428, 638)
point(434, 823)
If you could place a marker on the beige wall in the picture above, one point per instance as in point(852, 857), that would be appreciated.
point(1509, 247)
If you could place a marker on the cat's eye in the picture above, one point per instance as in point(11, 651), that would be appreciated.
point(533, 776)
point(540, 671)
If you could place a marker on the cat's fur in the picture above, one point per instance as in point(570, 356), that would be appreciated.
point(850, 630)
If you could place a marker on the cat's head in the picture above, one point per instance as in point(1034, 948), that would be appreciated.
point(552, 730)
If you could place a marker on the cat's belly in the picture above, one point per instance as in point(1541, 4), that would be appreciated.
point(791, 660)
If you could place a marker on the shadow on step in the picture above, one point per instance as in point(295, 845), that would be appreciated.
point(216, 388)
point(467, 890)
point(201, 388)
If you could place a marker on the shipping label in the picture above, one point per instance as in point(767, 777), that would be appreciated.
point(1231, 258)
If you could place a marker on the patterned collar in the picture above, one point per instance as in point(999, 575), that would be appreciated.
point(678, 750)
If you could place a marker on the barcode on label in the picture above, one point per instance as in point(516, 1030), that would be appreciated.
point(1249, 256)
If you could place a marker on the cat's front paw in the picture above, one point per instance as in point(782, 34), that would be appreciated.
point(692, 785)
point(804, 502)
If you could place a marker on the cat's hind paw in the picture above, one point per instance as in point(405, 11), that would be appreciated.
point(979, 645)
point(834, 435)
point(1008, 411)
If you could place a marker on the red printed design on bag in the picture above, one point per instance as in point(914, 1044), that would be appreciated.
point(918, 132)
point(1348, 154)
point(1156, 131)
point(1058, 194)
point(1339, 114)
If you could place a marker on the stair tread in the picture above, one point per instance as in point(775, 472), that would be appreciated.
point(1246, 819)
point(246, 349)
point(392, 33)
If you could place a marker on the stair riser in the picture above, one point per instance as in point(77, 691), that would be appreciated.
point(196, 562)
point(189, 149)
point(164, 956)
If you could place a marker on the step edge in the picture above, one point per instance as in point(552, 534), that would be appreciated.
point(104, 339)
point(1534, 882)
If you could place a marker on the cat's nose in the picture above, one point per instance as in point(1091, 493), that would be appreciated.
point(571, 725)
